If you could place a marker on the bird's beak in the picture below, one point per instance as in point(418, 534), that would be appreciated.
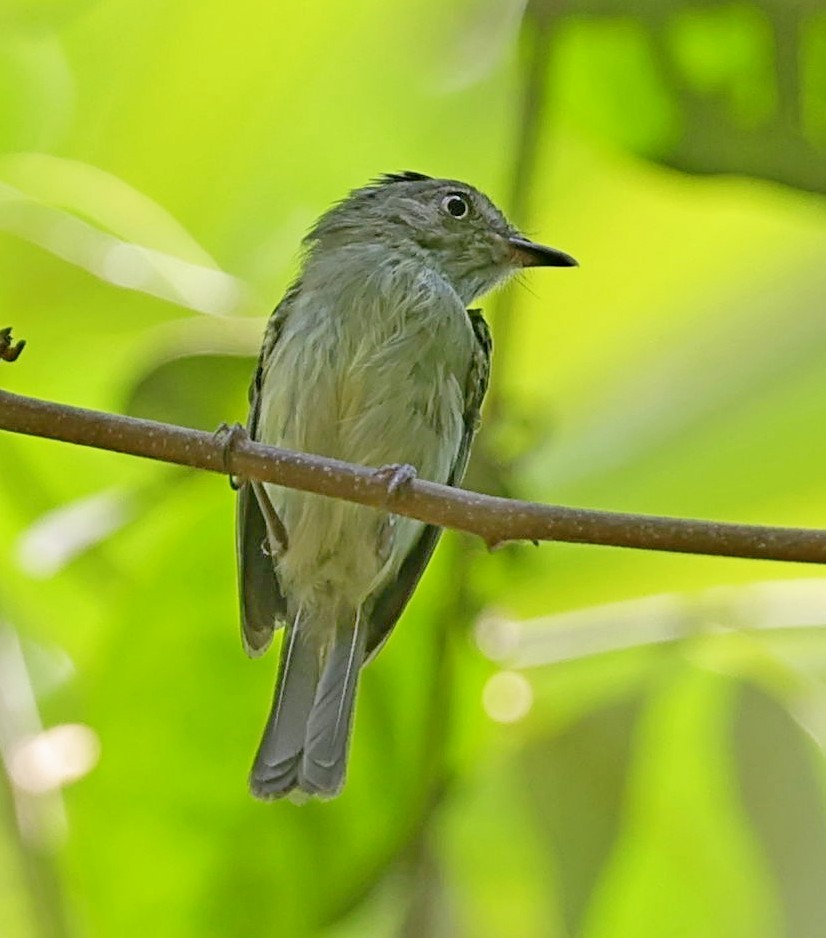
point(528, 254)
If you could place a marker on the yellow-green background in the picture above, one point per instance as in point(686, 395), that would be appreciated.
point(674, 787)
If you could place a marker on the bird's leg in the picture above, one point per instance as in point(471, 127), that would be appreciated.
point(228, 435)
point(396, 475)
point(276, 532)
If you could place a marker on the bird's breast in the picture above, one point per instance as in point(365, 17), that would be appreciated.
point(370, 376)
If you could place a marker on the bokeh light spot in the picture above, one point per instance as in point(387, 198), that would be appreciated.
point(507, 697)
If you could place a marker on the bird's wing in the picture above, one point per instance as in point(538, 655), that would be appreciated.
point(263, 607)
point(390, 603)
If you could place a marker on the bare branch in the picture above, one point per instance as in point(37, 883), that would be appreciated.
point(496, 520)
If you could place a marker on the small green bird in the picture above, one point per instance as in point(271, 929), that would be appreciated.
point(371, 357)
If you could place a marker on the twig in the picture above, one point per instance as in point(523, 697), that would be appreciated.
point(8, 351)
point(495, 520)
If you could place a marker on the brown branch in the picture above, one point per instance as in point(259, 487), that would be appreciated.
point(496, 520)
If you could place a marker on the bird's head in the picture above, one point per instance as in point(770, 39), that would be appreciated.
point(445, 223)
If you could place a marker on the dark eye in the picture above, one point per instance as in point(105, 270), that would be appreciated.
point(456, 205)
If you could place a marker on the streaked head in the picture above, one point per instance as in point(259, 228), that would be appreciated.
point(453, 227)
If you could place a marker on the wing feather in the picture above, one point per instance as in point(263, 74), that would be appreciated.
point(263, 606)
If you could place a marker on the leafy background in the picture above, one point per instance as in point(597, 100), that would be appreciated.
point(568, 741)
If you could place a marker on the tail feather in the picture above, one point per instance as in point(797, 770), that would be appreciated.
point(275, 771)
point(324, 763)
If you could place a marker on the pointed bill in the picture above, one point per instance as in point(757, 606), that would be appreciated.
point(529, 254)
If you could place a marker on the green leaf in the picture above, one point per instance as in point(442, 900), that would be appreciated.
point(577, 782)
point(199, 391)
point(781, 775)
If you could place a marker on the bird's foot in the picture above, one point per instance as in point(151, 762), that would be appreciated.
point(397, 476)
point(228, 435)
point(9, 350)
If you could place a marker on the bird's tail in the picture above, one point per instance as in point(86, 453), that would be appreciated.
point(307, 735)
point(324, 763)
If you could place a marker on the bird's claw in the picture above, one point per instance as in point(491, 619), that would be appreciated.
point(228, 435)
point(10, 350)
point(276, 540)
point(397, 476)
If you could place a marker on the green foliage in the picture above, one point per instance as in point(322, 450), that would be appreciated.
point(159, 162)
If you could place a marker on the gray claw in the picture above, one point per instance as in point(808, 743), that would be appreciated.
point(397, 476)
point(228, 435)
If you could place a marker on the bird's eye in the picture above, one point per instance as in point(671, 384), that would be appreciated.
point(456, 205)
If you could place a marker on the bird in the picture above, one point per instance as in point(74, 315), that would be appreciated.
point(373, 356)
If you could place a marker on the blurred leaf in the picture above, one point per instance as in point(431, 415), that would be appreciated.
point(577, 782)
point(781, 776)
point(716, 88)
point(499, 873)
point(15, 911)
point(101, 198)
point(684, 865)
point(59, 536)
point(127, 265)
point(199, 391)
